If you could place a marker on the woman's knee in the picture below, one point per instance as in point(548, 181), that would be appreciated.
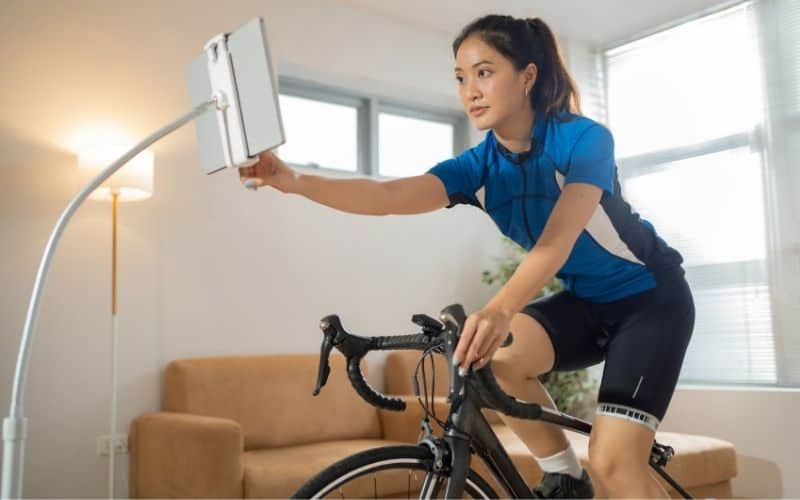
point(613, 458)
point(604, 459)
point(529, 355)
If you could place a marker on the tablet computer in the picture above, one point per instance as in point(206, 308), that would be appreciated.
point(253, 114)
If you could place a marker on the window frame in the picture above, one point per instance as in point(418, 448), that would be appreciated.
point(368, 108)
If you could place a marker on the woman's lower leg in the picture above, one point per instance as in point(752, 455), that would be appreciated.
point(541, 438)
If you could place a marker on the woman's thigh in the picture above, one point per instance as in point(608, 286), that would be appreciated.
point(646, 351)
point(576, 338)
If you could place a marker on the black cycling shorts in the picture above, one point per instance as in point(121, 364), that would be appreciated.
point(642, 338)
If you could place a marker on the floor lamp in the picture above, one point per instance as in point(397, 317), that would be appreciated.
point(133, 182)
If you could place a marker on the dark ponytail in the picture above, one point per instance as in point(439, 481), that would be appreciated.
point(525, 41)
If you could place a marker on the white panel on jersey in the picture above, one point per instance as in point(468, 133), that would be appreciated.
point(603, 231)
point(481, 196)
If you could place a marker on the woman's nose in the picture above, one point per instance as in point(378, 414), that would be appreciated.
point(472, 93)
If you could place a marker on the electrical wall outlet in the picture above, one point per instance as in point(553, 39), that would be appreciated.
point(120, 444)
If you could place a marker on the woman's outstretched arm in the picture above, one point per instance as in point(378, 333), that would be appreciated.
point(408, 195)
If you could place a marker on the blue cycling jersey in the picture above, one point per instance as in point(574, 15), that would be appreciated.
point(616, 255)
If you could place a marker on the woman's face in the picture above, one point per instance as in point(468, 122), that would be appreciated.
point(490, 88)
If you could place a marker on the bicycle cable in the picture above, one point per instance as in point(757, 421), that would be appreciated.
point(429, 400)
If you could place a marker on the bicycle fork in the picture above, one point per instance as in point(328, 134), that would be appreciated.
point(449, 466)
point(451, 454)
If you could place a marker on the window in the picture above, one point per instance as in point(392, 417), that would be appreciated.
point(337, 130)
point(410, 146)
point(700, 125)
point(322, 133)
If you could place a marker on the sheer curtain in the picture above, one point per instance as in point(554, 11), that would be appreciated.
point(705, 119)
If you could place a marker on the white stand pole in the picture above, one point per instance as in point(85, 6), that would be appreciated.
point(15, 425)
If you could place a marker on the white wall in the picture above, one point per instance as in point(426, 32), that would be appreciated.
point(205, 266)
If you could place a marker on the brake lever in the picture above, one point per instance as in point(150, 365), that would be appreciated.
point(324, 355)
point(453, 317)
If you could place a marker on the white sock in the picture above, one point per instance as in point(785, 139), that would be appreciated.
point(564, 462)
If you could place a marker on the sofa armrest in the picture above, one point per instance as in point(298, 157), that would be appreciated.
point(404, 426)
point(184, 455)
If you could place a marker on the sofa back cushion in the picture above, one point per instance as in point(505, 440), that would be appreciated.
point(271, 398)
point(399, 372)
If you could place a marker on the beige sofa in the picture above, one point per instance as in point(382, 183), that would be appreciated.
point(703, 465)
point(249, 427)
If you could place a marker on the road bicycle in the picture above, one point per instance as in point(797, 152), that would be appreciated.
point(438, 465)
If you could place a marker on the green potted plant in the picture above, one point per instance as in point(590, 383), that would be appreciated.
point(571, 390)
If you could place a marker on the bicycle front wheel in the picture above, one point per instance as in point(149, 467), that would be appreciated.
point(388, 472)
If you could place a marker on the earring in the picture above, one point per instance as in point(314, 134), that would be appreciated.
point(526, 92)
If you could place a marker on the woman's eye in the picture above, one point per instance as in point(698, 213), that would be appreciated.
point(484, 72)
point(459, 79)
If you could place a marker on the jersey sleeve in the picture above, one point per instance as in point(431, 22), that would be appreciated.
point(462, 176)
point(592, 159)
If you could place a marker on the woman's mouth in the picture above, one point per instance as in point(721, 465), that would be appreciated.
point(478, 111)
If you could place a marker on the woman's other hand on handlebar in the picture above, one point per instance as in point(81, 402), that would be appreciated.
point(484, 332)
point(269, 171)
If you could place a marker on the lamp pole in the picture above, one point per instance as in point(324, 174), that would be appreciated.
point(112, 439)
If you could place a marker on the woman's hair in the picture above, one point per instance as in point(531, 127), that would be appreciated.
point(525, 41)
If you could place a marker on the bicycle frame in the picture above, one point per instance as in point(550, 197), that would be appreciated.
point(469, 430)
point(484, 441)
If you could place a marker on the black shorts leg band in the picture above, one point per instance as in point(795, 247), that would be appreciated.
point(629, 413)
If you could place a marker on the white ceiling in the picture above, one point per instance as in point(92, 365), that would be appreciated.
point(597, 22)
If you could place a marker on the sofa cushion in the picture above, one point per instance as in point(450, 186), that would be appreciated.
point(698, 461)
point(279, 472)
point(271, 398)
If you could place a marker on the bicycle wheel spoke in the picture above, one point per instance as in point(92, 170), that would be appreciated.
point(437, 486)
point(428, 485)
point(396, 469)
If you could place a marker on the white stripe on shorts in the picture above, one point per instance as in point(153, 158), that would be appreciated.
point(628, 413)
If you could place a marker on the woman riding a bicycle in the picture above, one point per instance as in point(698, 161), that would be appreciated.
point(546, 176)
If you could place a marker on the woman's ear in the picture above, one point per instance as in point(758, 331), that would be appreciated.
point(531, 72)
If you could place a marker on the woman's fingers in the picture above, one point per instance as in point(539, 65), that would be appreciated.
point(489, 353)
point(464, 341)
point(479, 344)
point(483, 333)
point(246, 172)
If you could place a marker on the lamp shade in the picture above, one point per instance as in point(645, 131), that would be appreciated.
point(133, 182)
